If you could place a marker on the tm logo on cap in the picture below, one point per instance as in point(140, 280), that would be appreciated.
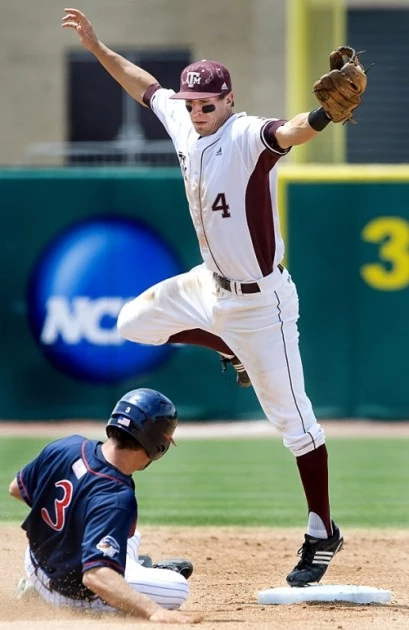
point(79, 285)
point(192, 79)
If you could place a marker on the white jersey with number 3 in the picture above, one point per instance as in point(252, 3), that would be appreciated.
point(231, 185)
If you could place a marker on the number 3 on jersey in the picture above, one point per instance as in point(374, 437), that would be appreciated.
point(60, 505)
point(220, 203)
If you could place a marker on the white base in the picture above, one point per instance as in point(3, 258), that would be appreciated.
point(325, 593)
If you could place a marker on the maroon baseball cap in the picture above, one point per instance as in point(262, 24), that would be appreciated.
point(203, 79)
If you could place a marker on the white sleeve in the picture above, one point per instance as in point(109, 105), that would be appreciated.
point(172, 114)
point(256, 135)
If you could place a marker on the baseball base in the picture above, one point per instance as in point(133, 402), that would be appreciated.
point(325, 593)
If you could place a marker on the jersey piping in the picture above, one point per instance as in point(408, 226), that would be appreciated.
point(259, 213)
point(98, 474)
point(201, 205)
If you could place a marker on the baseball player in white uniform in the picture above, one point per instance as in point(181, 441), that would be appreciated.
point(240, 301)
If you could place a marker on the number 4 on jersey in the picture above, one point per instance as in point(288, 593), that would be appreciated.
point(220, 203)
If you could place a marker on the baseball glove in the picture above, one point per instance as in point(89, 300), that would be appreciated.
point(339, 91)
point(180, 565)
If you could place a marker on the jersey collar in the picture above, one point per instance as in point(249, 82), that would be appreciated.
point(221, 130)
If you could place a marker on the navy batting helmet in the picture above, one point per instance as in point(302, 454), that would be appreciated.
point(149, 417)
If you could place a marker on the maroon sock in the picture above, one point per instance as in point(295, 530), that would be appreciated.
point(199, 337)
point(313, 468)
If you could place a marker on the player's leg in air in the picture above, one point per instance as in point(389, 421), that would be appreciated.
point(178, 311)
point(198, 337)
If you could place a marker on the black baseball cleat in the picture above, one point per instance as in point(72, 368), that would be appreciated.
point(242, 379)
point(316, 554)
point(180, 565)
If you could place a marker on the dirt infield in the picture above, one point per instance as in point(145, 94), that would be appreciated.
point(231, 565)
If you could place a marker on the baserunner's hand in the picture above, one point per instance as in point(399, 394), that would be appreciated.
point(175, 616)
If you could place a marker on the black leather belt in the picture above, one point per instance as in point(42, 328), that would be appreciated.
point(245, 287)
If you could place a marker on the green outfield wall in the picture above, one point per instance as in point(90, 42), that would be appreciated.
point(348, 251)
point(77, 243)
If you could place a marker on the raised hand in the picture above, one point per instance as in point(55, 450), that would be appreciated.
point(78, 21)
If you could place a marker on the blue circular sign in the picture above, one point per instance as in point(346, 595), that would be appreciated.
point(78, 287)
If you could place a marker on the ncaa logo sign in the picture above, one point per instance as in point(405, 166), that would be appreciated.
point(80, 284)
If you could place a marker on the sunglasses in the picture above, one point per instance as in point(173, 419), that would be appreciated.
point(206, 109)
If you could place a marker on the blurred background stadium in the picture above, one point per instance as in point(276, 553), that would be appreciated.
point(93, 208)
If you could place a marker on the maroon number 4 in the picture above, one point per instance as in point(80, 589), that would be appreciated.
point(220, 204)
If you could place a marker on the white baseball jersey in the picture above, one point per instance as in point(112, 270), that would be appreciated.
point(230, 179)
point(231, 186)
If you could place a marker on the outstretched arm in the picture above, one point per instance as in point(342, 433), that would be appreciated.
point(133, 79)
point(113, 589)
point(339, 94)
point(301, 128)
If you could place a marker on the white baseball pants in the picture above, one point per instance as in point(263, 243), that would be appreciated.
point(167, 588)
point(260, 328)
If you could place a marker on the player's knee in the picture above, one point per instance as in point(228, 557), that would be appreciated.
point(134, 323)
point(125, 322)
point(178, 592)
point(303, 443)
point(166, 588)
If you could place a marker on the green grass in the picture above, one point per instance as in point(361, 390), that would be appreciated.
point(251, 482)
